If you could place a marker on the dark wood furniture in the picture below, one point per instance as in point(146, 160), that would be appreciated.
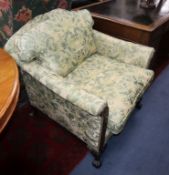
point(80, 3)
point(84, 5)
point(125, 19)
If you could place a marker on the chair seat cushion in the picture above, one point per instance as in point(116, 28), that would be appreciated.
point(118, 83)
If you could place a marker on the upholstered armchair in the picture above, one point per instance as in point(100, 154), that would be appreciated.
point(86, 81)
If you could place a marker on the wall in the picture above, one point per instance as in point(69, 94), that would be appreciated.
point(15, 13)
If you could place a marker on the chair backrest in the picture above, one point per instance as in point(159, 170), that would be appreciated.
point(60, 40)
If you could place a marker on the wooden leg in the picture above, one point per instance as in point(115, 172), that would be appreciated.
point(104, 148)
point(97, 161)
point(32, 112)
point(139, 104)
point(97, 155)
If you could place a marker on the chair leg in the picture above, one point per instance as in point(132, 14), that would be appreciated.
point(139, 104)
point(97, 161)
point(32, 111)
point(104, 148)
point(97, 155)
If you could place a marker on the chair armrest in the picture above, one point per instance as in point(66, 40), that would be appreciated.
point(79, 97)
point(123, 51)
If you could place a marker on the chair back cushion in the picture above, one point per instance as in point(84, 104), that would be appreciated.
point(59, 43)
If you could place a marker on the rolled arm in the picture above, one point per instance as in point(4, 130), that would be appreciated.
point(79, 97)
point(86, 101)
point(124, 51)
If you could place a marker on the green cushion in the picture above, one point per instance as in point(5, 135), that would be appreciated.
point(61, 43)
point(118, 83)
point(73, 37)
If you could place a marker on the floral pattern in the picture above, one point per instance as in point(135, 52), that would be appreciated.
point(59, 41)
point(85, 126)
point(51, 35)
point(23, 15)
point(6, 25)
point(101, 80)
point(14, 14)
point(26, 9)
point(123, 51)
point(5, 5)
point(119, 84)
point(89, 102)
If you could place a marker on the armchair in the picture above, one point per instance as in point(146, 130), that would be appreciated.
point(84, 80)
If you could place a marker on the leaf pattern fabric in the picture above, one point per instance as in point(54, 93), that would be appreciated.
point(58, 41)
point(65, 44)
point(119, 84)
point(100, 79)
point(123, 51)
point(84, 125)
point(88, 102)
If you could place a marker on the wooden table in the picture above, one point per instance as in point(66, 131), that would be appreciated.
point(9, 88)
point(125, 19)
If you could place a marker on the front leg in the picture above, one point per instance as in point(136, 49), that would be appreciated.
point(139, 104)
point(97, 160)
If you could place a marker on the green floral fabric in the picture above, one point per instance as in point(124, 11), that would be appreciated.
point(66, 39)
point(69, 40)
point(71, 113)
point(123, 51)
point(119, 84)
point(88, 102)
point(114, 76)
point(13, 44)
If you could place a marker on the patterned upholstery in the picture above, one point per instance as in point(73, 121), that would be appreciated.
point(78, 97)
point(67, 44)
point(123, 51)
point(59, 41)
point(117, 83)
